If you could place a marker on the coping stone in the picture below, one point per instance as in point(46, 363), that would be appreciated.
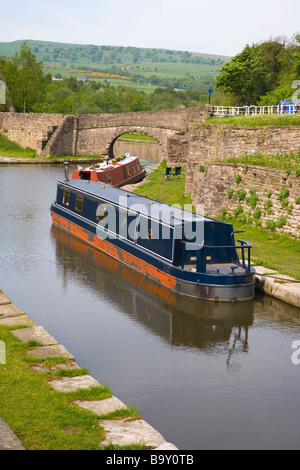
point(4, 300)
point(35, 333)
point(10, 310)
point(70, 384)
point(130, 431)
point(21, 320)
point(101, 407)
point(56, 350)
point(8, 440)
point(71, 365)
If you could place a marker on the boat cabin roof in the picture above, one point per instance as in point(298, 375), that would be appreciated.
point(171, 215)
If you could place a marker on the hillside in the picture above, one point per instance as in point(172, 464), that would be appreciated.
point(137, 67)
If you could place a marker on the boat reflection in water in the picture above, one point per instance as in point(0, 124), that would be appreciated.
point(179, 320)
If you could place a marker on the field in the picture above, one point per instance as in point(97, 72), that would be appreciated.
point(142, 68)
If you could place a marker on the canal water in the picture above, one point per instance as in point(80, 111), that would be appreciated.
point(206, 376)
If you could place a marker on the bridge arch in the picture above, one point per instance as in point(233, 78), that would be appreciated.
point(159, 139)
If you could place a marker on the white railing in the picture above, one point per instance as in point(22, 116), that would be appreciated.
point(254, 110)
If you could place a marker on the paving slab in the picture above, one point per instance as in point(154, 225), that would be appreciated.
point(35, 333)
point(8, 440)
point(130, 431)
point(10, 310)
point(70, 365)
point(21, 320)
point(56, 350)
point(166, 446)
point(4, 299)
point(101, 407)
point(70, 384)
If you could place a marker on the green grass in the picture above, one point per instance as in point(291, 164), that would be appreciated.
point(42, 418)
point(288, 162)
point(11, 149)
point(273, 250)
point(170, 191)
point(272, 120)
point(145, 138)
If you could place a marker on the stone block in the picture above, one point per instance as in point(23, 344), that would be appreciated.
point(51, 351)
point(130, 431)
point(101, 407)
point(70, 384)
point(35, 333)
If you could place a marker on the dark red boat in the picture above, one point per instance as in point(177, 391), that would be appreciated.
point(117, 172)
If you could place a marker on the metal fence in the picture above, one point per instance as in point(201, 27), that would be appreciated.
point(254, 110)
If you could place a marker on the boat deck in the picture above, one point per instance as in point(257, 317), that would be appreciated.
point(219, 269)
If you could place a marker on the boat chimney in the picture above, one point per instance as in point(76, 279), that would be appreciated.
point(66, 171)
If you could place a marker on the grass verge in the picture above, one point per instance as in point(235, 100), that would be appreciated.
point(170, 191)
point(42, 418)
point(288, 162)
point(11, 149)
point(257, 120)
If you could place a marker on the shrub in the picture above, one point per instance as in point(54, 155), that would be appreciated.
point(284, 194)
point(297, 200)
point(238, 179)
point(281, 221)
point(238, 211)
point(271, 225)
point(257, 214)
point(252, 200)
point(230, 193)
point(241, 194)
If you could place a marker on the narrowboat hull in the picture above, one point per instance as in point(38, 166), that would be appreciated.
point(230, 287)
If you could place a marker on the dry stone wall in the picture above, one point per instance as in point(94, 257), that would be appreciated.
point(29, 130)
point(265, 197)
point(211, 142)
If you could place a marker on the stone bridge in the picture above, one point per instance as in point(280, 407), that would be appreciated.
point(52, 134)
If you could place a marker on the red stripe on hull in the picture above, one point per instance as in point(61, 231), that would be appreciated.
point(142, 267)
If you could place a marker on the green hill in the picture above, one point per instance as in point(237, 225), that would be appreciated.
point(137, 67)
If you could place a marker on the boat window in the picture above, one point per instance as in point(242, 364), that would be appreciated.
point(138, 165)
point(133, 168)
point(79, 203)
point(129, 170)
point(66, 197)
point(109, 178)
point(101, 212)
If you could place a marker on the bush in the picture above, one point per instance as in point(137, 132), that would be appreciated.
point(271, 225)
point(281, 221)
point(230, 193)
point(238, 179)
point(241, 194)
point(238, 211)
point(252, 200)
point(284, 194)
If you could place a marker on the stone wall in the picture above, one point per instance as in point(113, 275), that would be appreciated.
point(264, 196)
point(29, 130)
point(211, 142)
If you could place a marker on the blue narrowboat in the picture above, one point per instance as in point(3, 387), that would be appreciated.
point(188, 253)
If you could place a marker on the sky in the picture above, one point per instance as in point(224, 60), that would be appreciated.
point(221, 27)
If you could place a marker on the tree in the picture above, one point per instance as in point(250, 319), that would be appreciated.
point(244, 77)
point(26, 81)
